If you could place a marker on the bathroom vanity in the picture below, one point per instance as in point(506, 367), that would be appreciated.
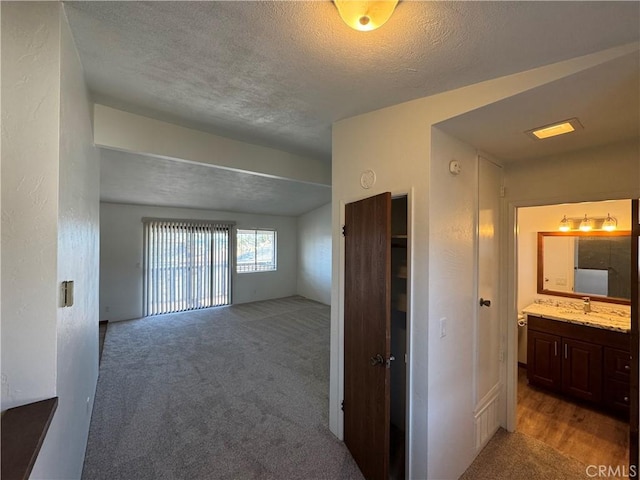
point(581, 355)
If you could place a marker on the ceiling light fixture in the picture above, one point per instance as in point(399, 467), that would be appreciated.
point(365, 16)
point(555, 129)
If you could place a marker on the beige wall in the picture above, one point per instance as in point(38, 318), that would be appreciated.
point(314, 254)
point(30, 141)
point(607, 172)
point(50, 186)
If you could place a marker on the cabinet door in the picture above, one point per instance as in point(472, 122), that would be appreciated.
point(543, 359)
point(582, 369)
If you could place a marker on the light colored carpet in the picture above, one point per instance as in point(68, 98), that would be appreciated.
point(514, 456)
point(234, 392)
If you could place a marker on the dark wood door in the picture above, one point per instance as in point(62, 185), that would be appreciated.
point(367, 311)
point(634, 343)
point(544, 361)
point(582, 369)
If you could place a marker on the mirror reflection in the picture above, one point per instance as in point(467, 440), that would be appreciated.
point(577, 264)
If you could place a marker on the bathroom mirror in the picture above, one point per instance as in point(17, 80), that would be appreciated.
point(585, 264)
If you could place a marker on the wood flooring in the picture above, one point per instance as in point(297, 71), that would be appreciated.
point(585, 434)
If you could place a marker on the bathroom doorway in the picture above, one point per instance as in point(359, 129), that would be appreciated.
point(589, 431)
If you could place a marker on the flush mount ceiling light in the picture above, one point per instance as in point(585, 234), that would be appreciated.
point(365, 16)
point(555, 129)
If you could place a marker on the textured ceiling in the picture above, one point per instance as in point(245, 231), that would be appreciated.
point(146, 180)
point(279, 73)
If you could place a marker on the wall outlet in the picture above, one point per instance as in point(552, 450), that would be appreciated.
point(106, 309)
point(443, 327)
point(88, 403)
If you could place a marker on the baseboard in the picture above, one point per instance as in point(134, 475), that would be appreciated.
point(103, 322)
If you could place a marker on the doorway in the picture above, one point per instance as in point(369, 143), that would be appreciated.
point(375, 339)
point(399, 340)
point(589, 432)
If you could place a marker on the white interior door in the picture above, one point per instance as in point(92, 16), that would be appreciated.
point(558, 266)
point(488, 345)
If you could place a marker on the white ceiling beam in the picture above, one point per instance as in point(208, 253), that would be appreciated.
point(119, 130)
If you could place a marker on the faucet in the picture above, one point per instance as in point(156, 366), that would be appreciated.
point(586, 304)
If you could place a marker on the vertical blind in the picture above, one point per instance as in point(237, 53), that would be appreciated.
point(186, 265)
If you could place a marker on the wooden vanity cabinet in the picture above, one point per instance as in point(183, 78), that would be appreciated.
point(582, 369)
point(544, 365)
point(583, 362)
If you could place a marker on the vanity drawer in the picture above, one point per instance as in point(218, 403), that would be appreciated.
point(616, 395)
point(617, 364)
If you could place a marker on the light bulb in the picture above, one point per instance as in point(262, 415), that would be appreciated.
point(565, 224)
point(585, 225)
point(365, 16)
point(609, 224)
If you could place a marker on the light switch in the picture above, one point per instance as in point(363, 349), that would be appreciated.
point(67, 293)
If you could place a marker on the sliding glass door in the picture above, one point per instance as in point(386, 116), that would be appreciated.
point(186, 265)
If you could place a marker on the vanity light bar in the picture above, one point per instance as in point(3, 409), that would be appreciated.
point(586, 224)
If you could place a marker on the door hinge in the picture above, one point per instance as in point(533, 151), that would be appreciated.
point(344, 230)
point(342, 405)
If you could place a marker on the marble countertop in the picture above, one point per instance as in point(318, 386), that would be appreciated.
point(609, 318)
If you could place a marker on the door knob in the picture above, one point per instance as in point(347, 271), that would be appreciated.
point(377, 360)
point(485, 303)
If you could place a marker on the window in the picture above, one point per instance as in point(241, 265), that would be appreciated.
point(256, 251)
point(186, 265)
